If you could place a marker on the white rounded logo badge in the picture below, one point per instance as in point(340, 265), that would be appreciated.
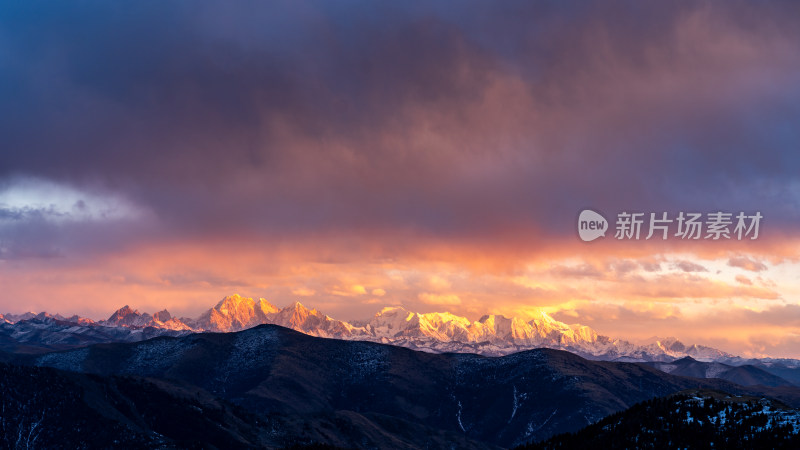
point(591, 225)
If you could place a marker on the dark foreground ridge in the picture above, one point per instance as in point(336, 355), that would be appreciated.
point(691, 420)
point(49, 408)
point(350, 394)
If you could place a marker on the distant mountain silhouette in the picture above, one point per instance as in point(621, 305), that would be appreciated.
point(746, 375)
point(437, 332)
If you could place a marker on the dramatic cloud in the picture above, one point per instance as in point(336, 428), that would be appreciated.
point(733, 329)
point(491, 118)
point(416, 153)
point(747, 263)
point(688, 266)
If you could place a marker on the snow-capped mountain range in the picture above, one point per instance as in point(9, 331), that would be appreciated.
point(491, 335)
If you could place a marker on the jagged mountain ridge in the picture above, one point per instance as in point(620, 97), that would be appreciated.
point(14, 318)
point(745, 374)
point(131, 318)
point(491, 335)
point(45, 333)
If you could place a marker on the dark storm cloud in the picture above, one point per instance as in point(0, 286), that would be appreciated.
point(453, 120)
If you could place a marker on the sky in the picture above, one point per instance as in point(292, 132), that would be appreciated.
point(360, 154)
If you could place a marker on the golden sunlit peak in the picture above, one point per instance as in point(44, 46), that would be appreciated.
point(445, 317)
point(394, 312)
point(297, 306)
point(230, 298)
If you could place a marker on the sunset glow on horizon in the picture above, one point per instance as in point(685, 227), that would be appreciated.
point(356, 156)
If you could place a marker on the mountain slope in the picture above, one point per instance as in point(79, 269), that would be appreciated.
point(504, 401)
point(746, 375)
point(697, 419)
point(47, 408)
point(234, 313)
point(788, 369)
point(38, 335)
point(50, 408)
point(131, 318)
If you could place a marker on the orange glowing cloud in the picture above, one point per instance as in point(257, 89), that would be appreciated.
point(338, 163)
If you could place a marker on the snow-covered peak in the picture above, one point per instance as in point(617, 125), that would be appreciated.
point(436, 318)
point(234, 313)
point(436, 331)
point(266, 307)
point(544, 322)
point(74, 319)
point(391, 320)
point(162, 316)
point(297, 306)
point(494, 327)
point(233, 302)
point(310, 321)
point(297, 314)
point(124, 311)
point(128, 317)
point(13, 318)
